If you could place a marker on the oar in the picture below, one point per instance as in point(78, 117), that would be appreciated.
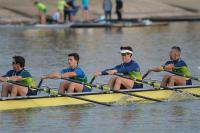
point(157, 85)
point(135, 95)
point(54, 92)
point(183, 75)
point(40, 83)
point(92, 80)
point(67, 95)
point(83, 83)
point(147, 73)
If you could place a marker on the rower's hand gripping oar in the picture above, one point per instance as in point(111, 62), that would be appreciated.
point(157, 85)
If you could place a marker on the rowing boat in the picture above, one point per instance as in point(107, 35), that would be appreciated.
point(89, 25)
point(104, 97)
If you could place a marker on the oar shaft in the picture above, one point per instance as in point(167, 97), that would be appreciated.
point(177, 90)
point(40, 83)
point(135, 95)
point(92, 80)
point(182, 75)
point(55, 92)
point(20, 84)
point(75, 97)
point(78, 82)
point(147, 73)
point(85, 99)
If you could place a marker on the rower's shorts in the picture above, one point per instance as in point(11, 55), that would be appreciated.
point(31, 92)
point(189, 82)
point(136, 86)
point(86, 89)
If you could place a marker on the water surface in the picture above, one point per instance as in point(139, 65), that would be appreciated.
point(46, 51)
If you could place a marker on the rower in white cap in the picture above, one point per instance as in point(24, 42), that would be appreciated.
point(129, 68)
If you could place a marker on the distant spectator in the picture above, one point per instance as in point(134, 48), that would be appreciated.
point(119, 9)
point(67, 10)
point(42, 12)
point(74, 8)
point(85, 8)
point(61, 4)
point(56, 17)
point(107, 6)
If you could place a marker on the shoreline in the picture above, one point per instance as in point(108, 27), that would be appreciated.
point(24, 11)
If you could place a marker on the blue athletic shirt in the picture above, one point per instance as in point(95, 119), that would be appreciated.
point(27, 78)
point(130, 69)
point(179, 67)
point(80, 75)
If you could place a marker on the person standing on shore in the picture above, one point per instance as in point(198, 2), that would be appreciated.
point(85, 8)
point(61, 4)
point(119, 9)
point(42, 11)
point(73, 9)
point(107, 6)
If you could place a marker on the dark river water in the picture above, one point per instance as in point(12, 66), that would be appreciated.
point(46, 51)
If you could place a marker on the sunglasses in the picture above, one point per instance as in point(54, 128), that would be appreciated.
point(124, 54)
point(14, 63)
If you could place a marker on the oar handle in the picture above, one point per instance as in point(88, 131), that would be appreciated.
point(135, 95)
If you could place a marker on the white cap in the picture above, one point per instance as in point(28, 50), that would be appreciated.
point(126, 51)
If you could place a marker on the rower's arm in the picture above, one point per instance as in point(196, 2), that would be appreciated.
point(52, 76)
point(12, 78)
point(156, 69)
point(68, 75)
point(4, 79)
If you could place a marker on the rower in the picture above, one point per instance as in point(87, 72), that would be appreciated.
point(73, 72)
point(129, 68)
point(42, 11)
point(19, 75)
point(177, 65)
